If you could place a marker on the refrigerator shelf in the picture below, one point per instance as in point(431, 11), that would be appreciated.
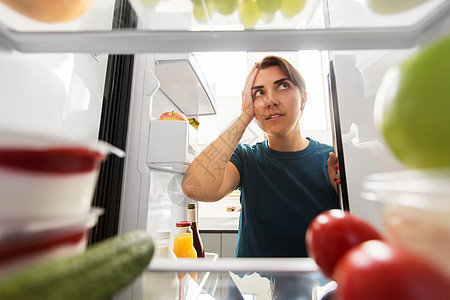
point(182, 80)
point(338, 34)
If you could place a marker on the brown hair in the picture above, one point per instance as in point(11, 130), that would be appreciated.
point(291, 72)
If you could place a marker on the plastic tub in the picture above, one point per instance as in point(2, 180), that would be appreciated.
point(45, 176)
point(29, 241)
point(413, 209)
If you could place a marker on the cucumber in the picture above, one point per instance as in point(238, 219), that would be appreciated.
point(98, 273)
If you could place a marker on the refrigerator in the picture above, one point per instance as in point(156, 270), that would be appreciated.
point(109, 74)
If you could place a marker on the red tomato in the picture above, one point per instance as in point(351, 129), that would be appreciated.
point(334, 232)
point(375, 270)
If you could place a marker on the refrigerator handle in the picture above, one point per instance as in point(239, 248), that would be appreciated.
point(337, 135)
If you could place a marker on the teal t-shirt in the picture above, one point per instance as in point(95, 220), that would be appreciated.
point(281, 192)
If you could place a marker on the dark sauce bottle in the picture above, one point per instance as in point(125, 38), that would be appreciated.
point(192, 217)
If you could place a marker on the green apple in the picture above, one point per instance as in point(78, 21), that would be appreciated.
point(268, 6)
point(412, 108)
point(290, 8)
point(249, 13)
point(226, 7)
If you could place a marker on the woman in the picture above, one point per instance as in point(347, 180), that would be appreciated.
point(285, 181)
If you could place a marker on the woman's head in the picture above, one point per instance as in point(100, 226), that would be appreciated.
point(290, 71)
point(279, 97)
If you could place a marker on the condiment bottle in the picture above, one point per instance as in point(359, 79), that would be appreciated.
point(162, 244)
point(161, 285)
point(192, 217)
point(183, 244)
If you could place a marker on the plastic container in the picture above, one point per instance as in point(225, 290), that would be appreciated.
point(46, 176)
point(201, 15)
point(26, 242)
point(413, 209)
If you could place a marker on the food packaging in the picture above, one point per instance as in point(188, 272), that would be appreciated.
point(48, 176)
point(27, 241)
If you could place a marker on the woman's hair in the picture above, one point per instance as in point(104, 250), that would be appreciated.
point(286, 67)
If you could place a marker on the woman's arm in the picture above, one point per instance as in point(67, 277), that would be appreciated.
point(211, 176)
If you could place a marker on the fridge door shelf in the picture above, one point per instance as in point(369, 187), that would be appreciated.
point(171, 146)
point(190, 287)
point(183, 82)
point(173, 167)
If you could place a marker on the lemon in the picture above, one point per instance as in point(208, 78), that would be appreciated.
point(290, 8)
point(249, 13)
point(267, 17)
point(269, 6)
point(226, 7)
point(412, 108)
point(202, 15)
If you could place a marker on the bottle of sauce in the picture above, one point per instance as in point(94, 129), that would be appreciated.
point(192, 217)
point(183, 244)
point(162, 244)
point(161, 285)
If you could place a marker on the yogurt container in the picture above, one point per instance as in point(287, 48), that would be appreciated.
point(47, 176)
point(25, 242)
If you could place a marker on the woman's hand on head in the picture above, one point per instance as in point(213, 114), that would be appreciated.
point(247, 97)
point(333, 170)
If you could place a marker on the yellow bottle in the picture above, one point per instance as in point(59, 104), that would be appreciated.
point(183, 245)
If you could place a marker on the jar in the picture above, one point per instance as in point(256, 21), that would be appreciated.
point(183, 245)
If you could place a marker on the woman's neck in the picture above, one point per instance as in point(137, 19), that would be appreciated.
point(287, 143)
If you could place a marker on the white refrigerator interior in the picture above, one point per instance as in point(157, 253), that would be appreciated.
point(52, 80)
point(57, 94)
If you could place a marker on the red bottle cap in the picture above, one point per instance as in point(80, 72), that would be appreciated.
point(183, 224)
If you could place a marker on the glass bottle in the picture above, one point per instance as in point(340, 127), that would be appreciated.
point(183, 244)
point(192, 217)
point(162, 244)
point(161, 285)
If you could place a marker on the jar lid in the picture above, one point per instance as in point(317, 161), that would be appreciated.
point(183, 224)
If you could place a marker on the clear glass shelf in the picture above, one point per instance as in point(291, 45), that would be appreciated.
point(172, 26)
point(246, 278)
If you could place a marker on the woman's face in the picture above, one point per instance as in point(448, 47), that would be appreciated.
point(277, 102)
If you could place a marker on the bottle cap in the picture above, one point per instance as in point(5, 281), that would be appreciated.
point(191, 206)
point(162, 234)
point(183, 224)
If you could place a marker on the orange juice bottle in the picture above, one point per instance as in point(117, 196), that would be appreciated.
point(183, 245)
